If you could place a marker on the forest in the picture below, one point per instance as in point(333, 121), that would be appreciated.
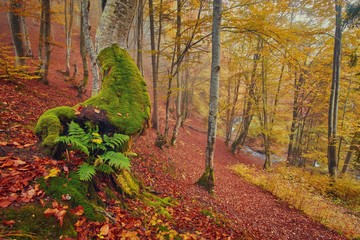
point(186, 119)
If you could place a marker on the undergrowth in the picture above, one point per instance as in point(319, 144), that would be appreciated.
point(318, 196)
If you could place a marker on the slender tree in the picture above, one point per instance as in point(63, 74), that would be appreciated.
point(16, 26)
point(69, 16)
point(207, 180)
point(83, 54)
point(47, 41)
point(334, 96)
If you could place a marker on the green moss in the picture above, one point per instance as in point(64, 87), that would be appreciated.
point(31, 223)
point(49, 125)
point(128, 184)
point(207, 180)
point(78, 191)
point(124, 93)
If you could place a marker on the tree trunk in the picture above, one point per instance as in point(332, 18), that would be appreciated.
point(207, 179)
point(334, 97)
point(83, 54)
point(109, 33)
point(178, 79)
point(247, 116)
point(27, 43)
point(140, 35)
point(231, 112)
point(47, 28)
point(16, 27)
point(355, 142)
point(85, 5)
point(155, 120)
point(69, 16)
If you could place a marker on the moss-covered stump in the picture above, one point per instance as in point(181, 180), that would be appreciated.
point(123, 103)
point(51, 125)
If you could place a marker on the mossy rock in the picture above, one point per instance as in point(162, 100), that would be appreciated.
point(123, 101)
point(31, 223)
point(81, 193)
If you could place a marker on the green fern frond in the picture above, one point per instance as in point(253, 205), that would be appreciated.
point(74, 143)
point(116, 141)
point(105, 168)
point(86, 172)
point(116, 160)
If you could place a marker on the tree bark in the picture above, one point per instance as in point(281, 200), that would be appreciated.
point(47, 28)
point(16, 27)
point(85, 5)
point(207, 179)
point(155, 120)
point(83, 54)
point(69, 16)
point(178, 79)
point(25, 33)
point(140, 35)
point(334, 97)
point(108, 33)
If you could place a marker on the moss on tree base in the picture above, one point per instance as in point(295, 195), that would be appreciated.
point(207, 180)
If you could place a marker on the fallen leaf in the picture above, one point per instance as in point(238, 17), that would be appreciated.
point(79, 210)
point(60, 216)
point(18, 162)
point(4, 203)
point(3, 143)
point(96, 110)
point(104, 230)
point(8, 222)
point(54, 172)
point(42, 202)
point(50, 211)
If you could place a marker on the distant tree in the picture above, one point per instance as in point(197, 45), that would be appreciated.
point(207, 179)
point(334, 96)
point(16, 26)
point(45, 29)
point(69, 17)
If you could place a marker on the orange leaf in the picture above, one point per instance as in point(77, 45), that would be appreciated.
point(60, 216)
point(78, 211)
point(51, 211)
point(3, 143)
point(4, 203)
point(104, 230)
point(8, 223)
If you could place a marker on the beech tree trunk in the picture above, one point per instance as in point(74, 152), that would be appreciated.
point(69, 16)
point(47, 42)
point(178, 79)
point(16, 27)
point(334, 97)
point(154, 119)
point(115, 24)
point(207, 179)
point(85, 5)
point(83, 54)
point(25, 33)
point(140, 35)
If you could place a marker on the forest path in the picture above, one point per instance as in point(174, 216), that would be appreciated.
point(251, 210)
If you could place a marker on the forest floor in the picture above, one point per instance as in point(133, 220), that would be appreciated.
point(238, 210)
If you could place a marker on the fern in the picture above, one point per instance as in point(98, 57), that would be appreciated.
point(77, 132)
point(105, 168)
point(116, 160)
point(116, 141)
point(74, 143)
point(86, 172)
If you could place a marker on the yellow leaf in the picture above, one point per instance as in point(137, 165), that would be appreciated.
point(54, 172)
